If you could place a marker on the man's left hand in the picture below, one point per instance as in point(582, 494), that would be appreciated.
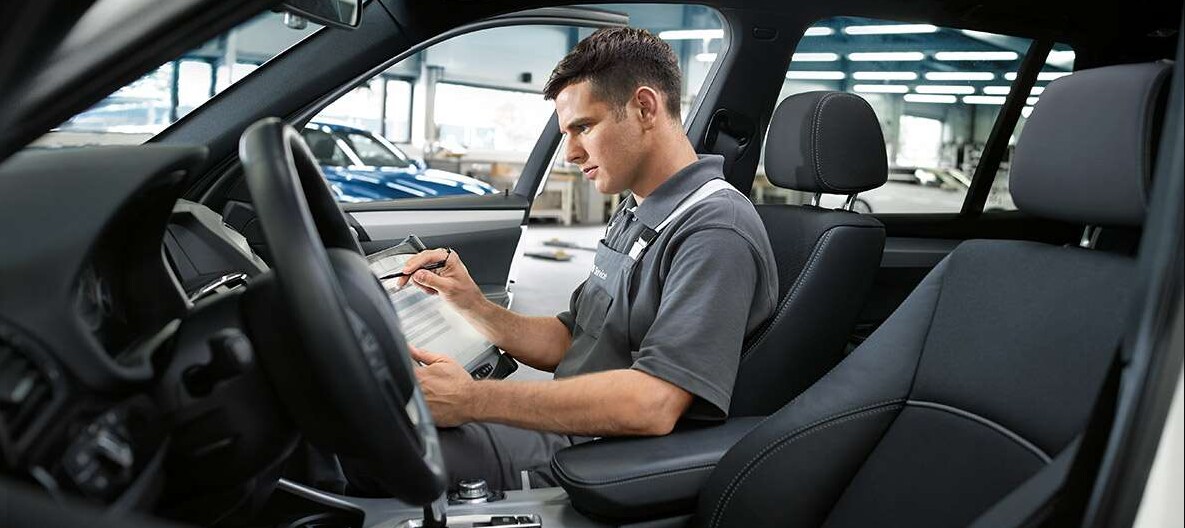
point(447, 387)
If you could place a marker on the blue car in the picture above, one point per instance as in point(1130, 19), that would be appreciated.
point(363, 167)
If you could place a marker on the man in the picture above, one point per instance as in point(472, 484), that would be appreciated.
point(654, 335)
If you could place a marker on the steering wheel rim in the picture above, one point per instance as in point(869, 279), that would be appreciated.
point(367, 404)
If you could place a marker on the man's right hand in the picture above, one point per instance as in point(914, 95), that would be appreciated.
point(452, 281)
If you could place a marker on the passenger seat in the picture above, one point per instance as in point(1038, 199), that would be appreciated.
point(818, 142)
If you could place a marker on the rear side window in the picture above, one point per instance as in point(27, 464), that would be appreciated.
point(937, 93)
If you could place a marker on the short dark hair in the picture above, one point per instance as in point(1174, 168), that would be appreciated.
point(617, 61)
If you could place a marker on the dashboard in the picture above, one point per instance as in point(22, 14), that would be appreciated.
point(101, 268)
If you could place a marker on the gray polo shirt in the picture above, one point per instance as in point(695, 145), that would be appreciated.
point(705, 283)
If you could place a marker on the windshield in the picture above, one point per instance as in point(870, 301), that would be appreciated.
point(376, 151)
point(148, 105)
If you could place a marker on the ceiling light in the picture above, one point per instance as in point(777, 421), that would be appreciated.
point(705, 57)
point(1026, 111)
point(818, 32)
point(924, 98)
point(1031, 101)
point(985, 99)
point(691, 34)
point(815, 75)
point(976, 56)
point(815, 57)
point(944, 89)
point(886, 56)
point(960, 76)
point(1043, 76)
point(881, 88)
point(1037, 90)
point(890, 29)
point(884, 76)
point(997, 90)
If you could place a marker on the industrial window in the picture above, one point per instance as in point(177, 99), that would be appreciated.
point(937, 93)
point(143, 108)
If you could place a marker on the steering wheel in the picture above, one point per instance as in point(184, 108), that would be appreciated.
point(342, 368)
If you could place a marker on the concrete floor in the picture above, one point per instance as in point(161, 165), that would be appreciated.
point(544, 287)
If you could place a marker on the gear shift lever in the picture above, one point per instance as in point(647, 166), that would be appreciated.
point(434, 515)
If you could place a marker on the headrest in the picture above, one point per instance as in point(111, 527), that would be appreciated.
point(1085, 155)
point(828, 142)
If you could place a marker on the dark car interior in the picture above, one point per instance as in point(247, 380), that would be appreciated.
point(187, 323)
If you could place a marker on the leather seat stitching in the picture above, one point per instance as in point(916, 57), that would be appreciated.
point(990, 424)
point(793, 292)
point(789, 438)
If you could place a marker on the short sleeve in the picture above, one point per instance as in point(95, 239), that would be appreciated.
point(697, 335)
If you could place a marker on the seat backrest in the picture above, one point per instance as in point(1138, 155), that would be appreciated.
point(818, 142)
point(989, 369)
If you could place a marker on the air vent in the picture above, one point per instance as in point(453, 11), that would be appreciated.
point(25, 391)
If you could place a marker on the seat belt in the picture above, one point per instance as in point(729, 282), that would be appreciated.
point(1057, 494)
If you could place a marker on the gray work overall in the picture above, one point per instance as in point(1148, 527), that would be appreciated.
point(602, 314)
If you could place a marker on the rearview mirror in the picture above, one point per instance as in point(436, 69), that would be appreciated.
point(346, 14)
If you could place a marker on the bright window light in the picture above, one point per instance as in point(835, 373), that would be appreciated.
point(960, 76)
point(881, 88)
point(1043, 76)
point(815, 75)
point(705, 57)
point(927, 98)
point(886, 56)
point(818, 31)
point(1060, 56)
point(944, 89)
point(884, 76)
point(976, 56)
point(691, 34)
point(1026, 111)
point(815, 57)
point(984, 99)
point(1031, 101)
point(890, 29)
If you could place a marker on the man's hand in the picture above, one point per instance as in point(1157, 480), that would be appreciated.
point(452, 281)
point(447, 388)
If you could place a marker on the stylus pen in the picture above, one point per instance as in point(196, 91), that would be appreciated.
point(432, 266)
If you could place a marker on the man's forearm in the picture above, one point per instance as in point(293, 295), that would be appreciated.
point(537, 341)
point(610, 403)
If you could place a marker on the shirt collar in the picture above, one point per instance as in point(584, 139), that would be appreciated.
point(680, 185)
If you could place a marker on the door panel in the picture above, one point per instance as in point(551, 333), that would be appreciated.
point(395, 225)
point(487, 253)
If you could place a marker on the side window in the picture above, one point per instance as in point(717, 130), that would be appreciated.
point(937, 93)
point(461, 117)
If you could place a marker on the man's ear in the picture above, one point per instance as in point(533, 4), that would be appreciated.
point(647, 103)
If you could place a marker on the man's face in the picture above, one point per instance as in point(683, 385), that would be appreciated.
point(607, 146)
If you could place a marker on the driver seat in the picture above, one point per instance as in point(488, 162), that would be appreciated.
point(989, 370)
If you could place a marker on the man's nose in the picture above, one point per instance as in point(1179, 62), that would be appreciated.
point(573, 152)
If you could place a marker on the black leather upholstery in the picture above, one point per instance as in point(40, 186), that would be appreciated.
point(1099, 174)
point(826, 263)
point(640, 478)
point(976, 382)
point(827, 142)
